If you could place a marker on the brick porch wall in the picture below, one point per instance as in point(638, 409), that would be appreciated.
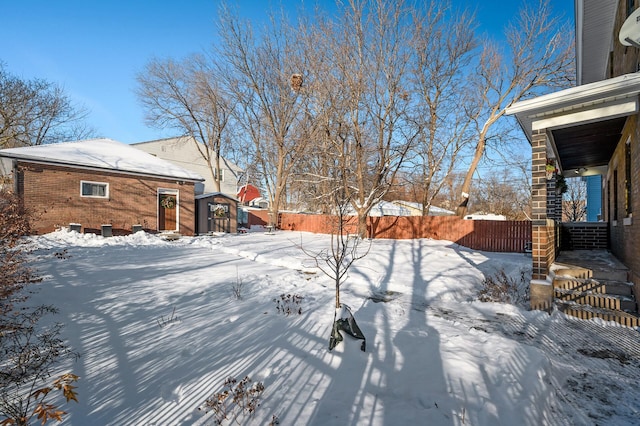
point(585, 236)
point(543, 241)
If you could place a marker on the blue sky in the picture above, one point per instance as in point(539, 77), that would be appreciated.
point(94, 49)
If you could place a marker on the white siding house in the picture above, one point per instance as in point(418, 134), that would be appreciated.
point(183, 152)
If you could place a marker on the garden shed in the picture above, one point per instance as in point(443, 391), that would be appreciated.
point(216, 212)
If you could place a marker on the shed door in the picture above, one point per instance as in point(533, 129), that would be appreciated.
point(167, 212)
point(219, 219)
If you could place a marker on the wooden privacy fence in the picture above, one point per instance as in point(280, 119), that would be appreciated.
point(486, 235)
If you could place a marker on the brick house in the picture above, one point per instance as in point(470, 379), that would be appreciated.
point(591, 129)
point(100, 182)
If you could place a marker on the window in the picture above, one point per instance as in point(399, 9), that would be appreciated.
point(219, 173)
point(94, 189)
point(615, 195)
point(630, 7)
point(609, 202)
point(627, 179)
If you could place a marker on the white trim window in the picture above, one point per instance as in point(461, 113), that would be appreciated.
point(94, 189)
point(220, 172)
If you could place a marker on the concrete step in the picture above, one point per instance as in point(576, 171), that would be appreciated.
point(588, 312)
point(594, 286)
point(611, 274)
point(571, 271)
point(597, 300)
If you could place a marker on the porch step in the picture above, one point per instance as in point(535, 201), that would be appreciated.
point(611, 274)
point(591, 285)
point(588, 312)
point(597, 300)
point(170, 235)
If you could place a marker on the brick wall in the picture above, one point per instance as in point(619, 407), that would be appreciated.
point(625, 234)
point(624, 230)
point(585, 236)
point(53, 193)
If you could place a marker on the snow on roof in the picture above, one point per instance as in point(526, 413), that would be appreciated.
point(105, 154)
point(385, 208)
point(433, 210)
point(215, 194)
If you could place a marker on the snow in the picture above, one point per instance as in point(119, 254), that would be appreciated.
point(434, 354)
point(103, 154)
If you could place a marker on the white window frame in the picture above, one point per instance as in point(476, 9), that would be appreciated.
point(106, 189)
point(217, 172)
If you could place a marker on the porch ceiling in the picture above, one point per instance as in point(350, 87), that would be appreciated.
point(584, 123)
point(588, 145)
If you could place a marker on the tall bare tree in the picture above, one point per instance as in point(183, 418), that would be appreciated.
point(36, 112)
point(539, 57)
point(361, 99)
point(189, 96)
point(267, 78)
point(443, 46)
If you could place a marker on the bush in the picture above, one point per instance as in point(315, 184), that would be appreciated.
point(503, 288)
point(28, 351)
point(236, 398)
point(289, 304)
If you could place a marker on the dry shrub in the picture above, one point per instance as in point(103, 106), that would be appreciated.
point(503, 288)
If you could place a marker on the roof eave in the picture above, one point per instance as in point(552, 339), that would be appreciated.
point(26, 159)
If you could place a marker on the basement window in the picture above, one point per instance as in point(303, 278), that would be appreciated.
point(94, 189)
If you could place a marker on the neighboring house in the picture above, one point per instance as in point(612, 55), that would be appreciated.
point(386, 208)
point(184, 152)
point(259, 202)
point(591, 129)
point(100, 182)
point(415, 209)
point(594, 197)
point(485, 216)
point(247, 193)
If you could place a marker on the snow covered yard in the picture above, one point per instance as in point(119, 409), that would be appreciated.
point(434, 354)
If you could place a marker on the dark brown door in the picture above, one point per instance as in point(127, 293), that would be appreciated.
point(167, 208)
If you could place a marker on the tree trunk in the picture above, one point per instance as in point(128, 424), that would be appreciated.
point(462, 208)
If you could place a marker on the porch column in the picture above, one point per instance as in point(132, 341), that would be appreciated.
point(543, 251)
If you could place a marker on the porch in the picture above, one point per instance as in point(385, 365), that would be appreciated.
point(583, 131)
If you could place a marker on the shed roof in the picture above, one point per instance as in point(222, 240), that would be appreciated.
point(101, 154)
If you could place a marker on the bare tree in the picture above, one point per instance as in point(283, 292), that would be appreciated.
point(36, 112)
point(539, 58)
point(344, 250)
point(502, 194)
point(443, 46)
point(361, 99)
point(189, 97)
point(574, 205)
point(267, 79)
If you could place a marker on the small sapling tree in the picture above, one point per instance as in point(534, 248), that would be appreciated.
point(334, 262)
